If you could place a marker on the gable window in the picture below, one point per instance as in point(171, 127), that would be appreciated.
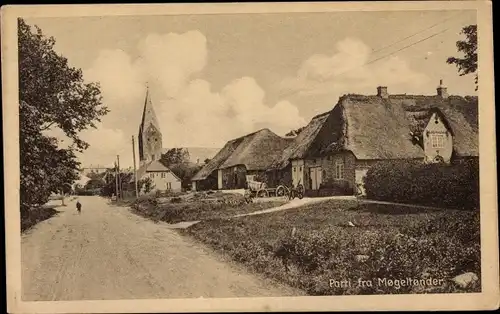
point(163, 175)
point(339, 170)
point(437, 140)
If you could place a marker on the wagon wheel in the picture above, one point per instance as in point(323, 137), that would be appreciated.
point(300, 191)
point(262, 193)
point(280, 191)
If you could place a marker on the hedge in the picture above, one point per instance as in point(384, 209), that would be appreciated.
point(453, 185)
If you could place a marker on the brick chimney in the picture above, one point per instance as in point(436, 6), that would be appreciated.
point(382, 92)
point(442, 90)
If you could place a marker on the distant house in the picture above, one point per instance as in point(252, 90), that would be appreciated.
point(240, 160)
point(162, 177)
point(207, 177)
point(342, 144)
point(93, 169)
point(150, 150)
point(288, 168)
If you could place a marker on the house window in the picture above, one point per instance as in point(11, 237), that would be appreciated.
point(163, 175)
point(152, 175)
point(169, 185)
point(294, 169)
point(437, 140)
point(300, 169)
point(339, 170)
point(153, 157)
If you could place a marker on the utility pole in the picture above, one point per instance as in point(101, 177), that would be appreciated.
point(135, 169)
point(116, 181)
point(119, 177)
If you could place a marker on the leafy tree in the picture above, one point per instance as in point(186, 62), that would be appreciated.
point(175, 156)
point(146, 185)
point(109, 185)
point(185, 171)
point(207, 160)
point(93, 184)
point(467, 64)
point(51, 94)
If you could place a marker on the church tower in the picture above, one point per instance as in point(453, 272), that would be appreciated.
point(150, 138)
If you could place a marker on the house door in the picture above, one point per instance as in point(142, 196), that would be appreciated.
point(219, 179)
point(316, 178)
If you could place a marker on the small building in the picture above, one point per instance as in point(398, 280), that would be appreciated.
point(207, 177)
point(339, 146)
point(288, 168)
point(240, 160)
point(150, 150)
point(254, 155)
point(163, 179)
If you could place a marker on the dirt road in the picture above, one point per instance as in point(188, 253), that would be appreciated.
point(109, 253)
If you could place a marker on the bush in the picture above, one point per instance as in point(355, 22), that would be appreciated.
point(441, 185)
point(86, 192)
point(335, 187)
point(32, 216)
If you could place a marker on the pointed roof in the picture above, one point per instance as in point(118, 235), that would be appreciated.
point(153, 166)
point(148, 114)
point(256, 151)
point(302, 142)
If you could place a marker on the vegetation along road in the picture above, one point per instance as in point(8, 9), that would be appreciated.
point(109, 253)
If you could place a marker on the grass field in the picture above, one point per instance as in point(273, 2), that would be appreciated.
point(387, 242)
point(198, 210)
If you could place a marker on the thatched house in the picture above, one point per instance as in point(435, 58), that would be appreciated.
point(286, 168)
point(207, 177)
point(239, 160)
point(339, 146)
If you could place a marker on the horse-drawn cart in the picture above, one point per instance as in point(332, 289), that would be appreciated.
point(260, 189)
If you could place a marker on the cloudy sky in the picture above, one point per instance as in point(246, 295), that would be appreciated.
point(216, 77)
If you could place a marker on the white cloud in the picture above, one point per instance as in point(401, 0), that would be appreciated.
point(190, 113)
point(347, 71)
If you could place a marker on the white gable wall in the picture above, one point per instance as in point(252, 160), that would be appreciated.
point(437, 140)
point(164, 181)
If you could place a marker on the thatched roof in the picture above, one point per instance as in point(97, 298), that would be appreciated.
point(218, 160)
point(378, 128)
point(257, 151)
point(302, 142)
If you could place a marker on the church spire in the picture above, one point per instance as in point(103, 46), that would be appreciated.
point(148, 114)
point(150, 137)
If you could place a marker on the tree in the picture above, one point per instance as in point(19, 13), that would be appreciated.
point(207, 160)
point(175, 156)
point(185, 171)
point(146, 184)
point(51, 94)
point(467, 64)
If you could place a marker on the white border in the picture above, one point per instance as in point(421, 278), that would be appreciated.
point(487, 299)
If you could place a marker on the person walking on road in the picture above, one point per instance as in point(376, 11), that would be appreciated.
point(78, 207)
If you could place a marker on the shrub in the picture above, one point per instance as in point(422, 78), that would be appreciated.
point(336, 187)
point(175, 200)
point(442, 185)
